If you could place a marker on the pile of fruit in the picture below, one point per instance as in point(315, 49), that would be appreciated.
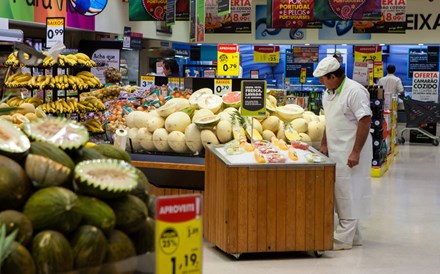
point(74, 206)
point(187, 125)
point(25, 110)
point(69, 60)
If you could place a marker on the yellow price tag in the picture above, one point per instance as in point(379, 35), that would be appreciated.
point(378, 69)
point(178, 236)
point(303, 75)
point(222, 86)
point(228, 60)
point(367, 53)
point(146, 82)
point(266, 54)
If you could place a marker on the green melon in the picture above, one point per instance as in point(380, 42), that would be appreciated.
point(232, 99)
point(45, 172)
point(63, 133)
point(112, 152)
point(13, 143)
point(52, 152)
point(87, 153)
point(105, 178)
point(130, 212)
point(89, 247)
point(120, 247)
point(19, 261)
point(143, 239)
point(51, 252)
point(141, 190)
point(15, 186)
point(54, 208)
point(16, 220)
point(97, 213)
point(152, 206)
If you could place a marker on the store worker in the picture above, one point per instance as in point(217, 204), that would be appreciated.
point(171, 68)
point(392, 85)
point(112, 76)
point(347, 142)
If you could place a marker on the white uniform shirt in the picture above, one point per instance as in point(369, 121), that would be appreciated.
point(392, 85)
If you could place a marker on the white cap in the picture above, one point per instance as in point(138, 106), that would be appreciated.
point(327, 65)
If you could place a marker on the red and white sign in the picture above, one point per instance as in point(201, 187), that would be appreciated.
point(425, 86)
point(176, 209)
point(394, 10)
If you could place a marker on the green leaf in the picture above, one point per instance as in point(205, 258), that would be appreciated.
point(8, 110)
point(5, 243)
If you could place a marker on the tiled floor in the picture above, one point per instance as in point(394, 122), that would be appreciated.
point(401, 236)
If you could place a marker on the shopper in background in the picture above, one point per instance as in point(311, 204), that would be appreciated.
point(171, 68)
point(392, 85)
point(347, 141)
point(112, 76)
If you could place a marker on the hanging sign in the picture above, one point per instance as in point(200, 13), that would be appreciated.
point(178, 237)
point(303, 75)
point(222, 86)
point(266, 54)
point(366, 53)
point(253, 97)
point(378, 69)
point(224, 7)
point(394, 10)
point(146, 82)
point(425, 86)
point(228, 60)
point(291, 14)
point(54, 31)
point(170, 13)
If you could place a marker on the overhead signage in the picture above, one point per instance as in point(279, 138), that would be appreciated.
point(126, 41)
point(423, 59)
point(228, 60)
point(197, 21)
point(347, 10)
point(425, 86)
point(366, 53)
point(291, 13)
point(54, 31)
point(266, 54)
point(178, 235)
point(238, 20)
point(170, 17)
point(253, 97)
point(224, 7)
point(136, 40)
point(222, 86)
point(394, 10)
point(379, 26)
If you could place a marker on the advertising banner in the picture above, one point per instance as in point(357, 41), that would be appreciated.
point(237, 21)
point(147, 10)
point(291, 13)
point(340, 30)
point(263, 32)
point(379, 26)
point(170, 15)
point(301, 59)
point(423, 59)
point(105, 58)
point(425, 86)
point(394, 11)
point(30, 12)
point(347, 9)
point(197, 21)
point(253, 97)
point(266, 54)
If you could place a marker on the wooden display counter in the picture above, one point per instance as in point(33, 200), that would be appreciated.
point(268, 207)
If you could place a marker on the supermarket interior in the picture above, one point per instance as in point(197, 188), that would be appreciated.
point(219, 136)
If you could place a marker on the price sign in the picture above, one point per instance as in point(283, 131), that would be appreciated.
point(228, 60)
point(367, 53)
point(146, 82)
point(173, 83)
point(253, 97)
point(178, 234)
point(378, 69)
point(222, 86)
point(303, 75)
point(266, 54)
point(54, 31)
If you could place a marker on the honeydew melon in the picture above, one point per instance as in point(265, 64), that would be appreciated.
point(289, 112)
point(177, 121)
point(272, 123)
point(135, 142)
point(167, 109)
point(207, 122)
point(299, 124)
point(146, 139)
point(155, 122)
point(160, 140)
point(212, 102)
point(195, 96)
point(208, 137)
point(177, 142)
point(179, 103)
point(137, 119)
point(201, 113)
point(224, 131)
point(193, 138)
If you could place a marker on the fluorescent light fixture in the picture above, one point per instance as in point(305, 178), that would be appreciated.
point(381, 44)
point(420, 44)
point(306, 44)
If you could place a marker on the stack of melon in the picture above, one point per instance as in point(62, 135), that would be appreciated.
point(73, 206)
point(186, 126)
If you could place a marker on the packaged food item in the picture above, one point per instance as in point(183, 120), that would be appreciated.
point(275, 158)
point(313, 158)
point(300, 145)
point(233, 148)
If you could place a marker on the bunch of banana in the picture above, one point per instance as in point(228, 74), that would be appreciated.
point(34, 101)
point(85, 60)
point(18, 80)
point(40, 82)
point(94, 102)
point(93, 126)
point(15, 101)
point(91, 80)
point(48, 61)
point(12, 60)
point(59, 106)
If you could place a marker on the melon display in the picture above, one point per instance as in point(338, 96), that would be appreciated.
point(179, 103)
point(134, 143)
point(165, 110)
point(119, 248)
point(154, 123)
point(137, 119)
point(145, 138)
point(207, 122)
point(271, 123)
point(224, 131)
point(13, 143)
point(201, 113)
point(130, 212)
point(208, 137)
point(110, 151)
point(232, 99)
point(315, 130)
point(299, 124)
point(289, 112)
point(143, 239)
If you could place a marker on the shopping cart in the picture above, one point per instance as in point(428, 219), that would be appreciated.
point(418, 113)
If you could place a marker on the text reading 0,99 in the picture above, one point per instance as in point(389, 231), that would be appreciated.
point(51, 33)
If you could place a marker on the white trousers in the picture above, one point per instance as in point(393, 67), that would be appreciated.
point(348, 232)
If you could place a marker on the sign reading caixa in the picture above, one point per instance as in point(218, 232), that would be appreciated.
point(423, 21)
point(83, 7)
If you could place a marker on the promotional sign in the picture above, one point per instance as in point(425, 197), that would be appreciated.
point(264, 32)
point(54, 31)
point(224, 7)
point(366, 53)
point(173, 83)
point(340, 30)
point(209, 73)
point(423, 59)
point(303, 75)
point(147, 82)
point(291, 13)
point(197, 21)
point(238, 20)
point(301, 58)
point(228, 60)
point(222, 86)
point(253, 97)
point(170, 15)
point(126, 41)
point(255, 74)
point(378, 69)
point(394, 11)
point(360, 73)
point(178, 239)
point(379, 26)
point(147, 10)
point(347, 10)
point(266, 54)
point(425, 86)
point(105, 58)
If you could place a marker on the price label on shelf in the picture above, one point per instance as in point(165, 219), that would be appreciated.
point(228, 60)
point(222, 86)
point(146, 82)
point(54, 31)
point(266, 54)
point(178, 234)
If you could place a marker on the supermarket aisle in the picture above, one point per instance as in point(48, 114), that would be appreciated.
point(402, 236)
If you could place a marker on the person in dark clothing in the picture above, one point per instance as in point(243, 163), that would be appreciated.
point(171, 68)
